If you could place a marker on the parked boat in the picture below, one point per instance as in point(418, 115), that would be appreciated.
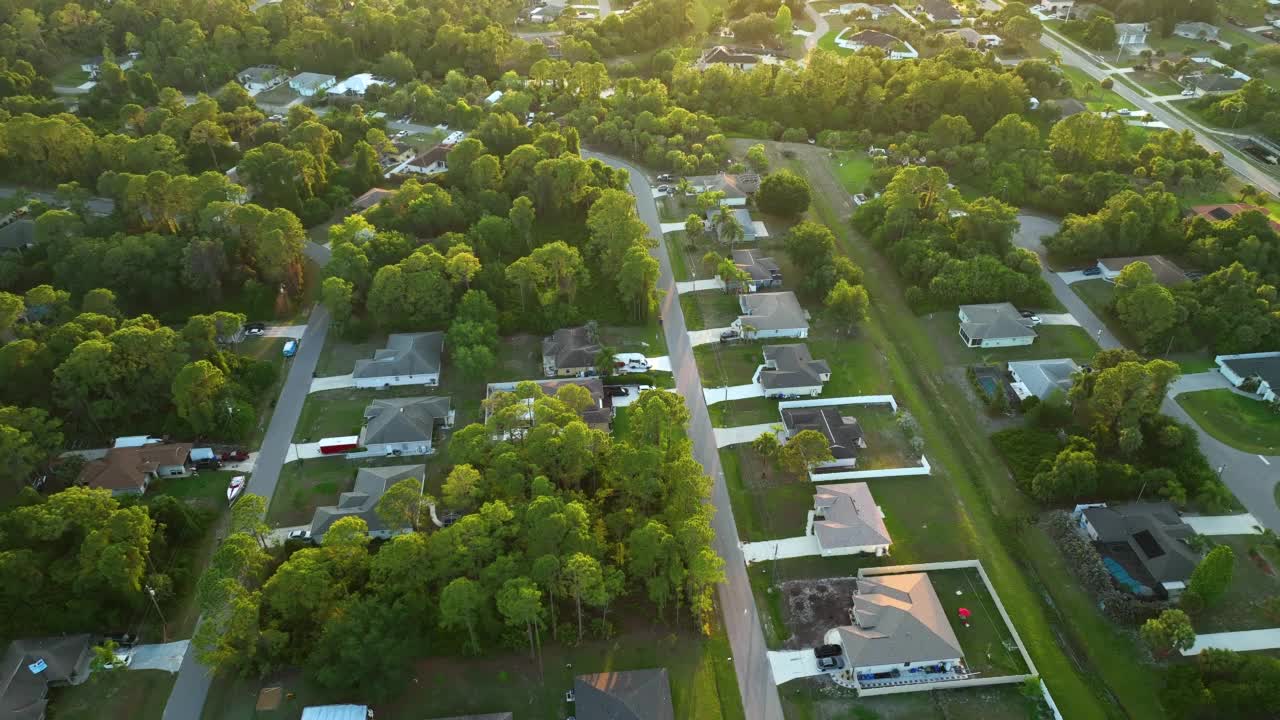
point(235, 488)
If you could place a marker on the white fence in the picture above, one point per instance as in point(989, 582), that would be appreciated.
point(977, 682)
point(924, 468)
point(851, 400)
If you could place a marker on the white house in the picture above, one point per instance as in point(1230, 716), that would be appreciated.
point(432, 162)
point(309, 84)
point(771, 315)
point(790, 371)
point(994, 325)
point(404, 426)
point(258, 78)
point(898, 623)
point(1043, 378)
point(736, 188)
point(721, 55)
point(408, 359)
point(847, 521)
point(1263, 367)
point(94, 65)
point(1132, 36)
point(894, 48)
point(357, 85)
point(493, 97)
point(1061, 8)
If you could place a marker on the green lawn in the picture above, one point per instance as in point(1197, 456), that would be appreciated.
point(810, 700)
point(1097, 98)
point(1241, 422)
point(1156, 82)
point(709, 309)
point(335, 413)
point(856, 366)
point(678, 251)
point(752, 411)
point(1098, 294)
point(1240, 608)
point(70, 75)
point(1193, 362)
point(107, 695)
point(703, 682)
point(306, 485)
point(983, 639)
point(1053, 341)
point(828, 41)
point(854, 169)
point(209, 487)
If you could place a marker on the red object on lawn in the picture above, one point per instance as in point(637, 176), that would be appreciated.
point(964, 613)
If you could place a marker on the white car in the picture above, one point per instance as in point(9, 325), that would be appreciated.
point(300, 535)
point(1188, 93)
point(1124, 111)
point(859, 199)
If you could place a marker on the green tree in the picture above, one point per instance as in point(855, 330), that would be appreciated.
point(11, 308)
point(849, 303)
point(584, 579)
point(461, 603)
point(784, 194)
point(766, 445)
point(1170, 631)
point(810, 245)
point(804, 451)
point(1212, 575)
point(248, 516)
point(520, 602)
point(200, 396)
point(462, 488)
point(781, 26)
point(402, 505)
point(336, 294)
point(756, 157)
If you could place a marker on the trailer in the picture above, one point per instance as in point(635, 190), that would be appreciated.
point(339, 445)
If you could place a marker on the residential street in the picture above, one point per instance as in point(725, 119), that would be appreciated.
point(742, 623)
point(820, 28)
point(96, 205)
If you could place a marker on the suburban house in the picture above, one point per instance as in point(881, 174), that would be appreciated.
point(625, 695)
point(570, 352)
point(552, 45)
point(1144, 546)
point(493, 97)
point(894, 48)
point(370, 198)
point(1211, 83)
point(897, 628)
point(844, 434)
point(432, 162)
point(1166, 272)
point(763, 271)
point(546, 13)
point(130, 470)
point(1263, 367)
point(712, 224)
point(408, 359)
point(974, 39)
point(1043, 378)
point(309, 84)
point(940, 11)
point(871, 12)
point(358, 85)
point(31, 666)
point(1061, 8)
point(598, 416)
point(734, 58)
point(93, 65)
point(1224, 212)
point(790, 371)
point(736, 188)
point(260, 77)
point(847, 521)
point(404, 426)
point(994, 325)
point(1132, 36)
point(1196, 31)
point(771, 315)
point(362, 501)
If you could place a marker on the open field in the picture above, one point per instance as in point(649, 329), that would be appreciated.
point(1088, 91)
point(1241, 422)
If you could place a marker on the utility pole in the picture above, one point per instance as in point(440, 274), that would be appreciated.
point(164, 625)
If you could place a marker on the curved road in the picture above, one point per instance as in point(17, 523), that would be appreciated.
point(820, 28)
point(741, 619)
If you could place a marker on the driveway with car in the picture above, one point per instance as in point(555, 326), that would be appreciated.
point(705, 337)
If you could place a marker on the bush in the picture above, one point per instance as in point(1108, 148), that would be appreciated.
point(1023, 449)
point(795, 135)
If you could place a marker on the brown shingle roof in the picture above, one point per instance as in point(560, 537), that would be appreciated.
point(128, 468)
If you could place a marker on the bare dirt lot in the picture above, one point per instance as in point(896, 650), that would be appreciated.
point(812, 607)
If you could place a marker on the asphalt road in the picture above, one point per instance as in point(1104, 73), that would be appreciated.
point(742, 622)
point(96, 205)
point(820, 28)
point(1245, 169)
point(191, 688)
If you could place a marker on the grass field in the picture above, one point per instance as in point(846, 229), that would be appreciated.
point(1097, 98)
point(703, 683)
point(854, 169)
point(306, 485)
point(133, 694)
point(1241, 422)
point(680, 256)
point(71, 75)
point(709, 309)
point(209, 487)
point(1156, 82)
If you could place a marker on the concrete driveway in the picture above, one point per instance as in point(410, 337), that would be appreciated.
point(706, 337)
point(167, 656)
point(1058, 319)
point(1195, 382)
point(1239, 641)
point(698, 285)
point(672, 227)
point(794, 547)
point(733, 392)
point(661, 363)
point(332, 382)
point(287, 331)
point(1075, 276)
point(743, 433)
point(793, 664)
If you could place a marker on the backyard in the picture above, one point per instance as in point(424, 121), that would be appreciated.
point(134, 694)
point(1253, 581)
point(1241, 422)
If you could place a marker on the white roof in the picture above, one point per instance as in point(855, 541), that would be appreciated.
point(134, 441)
point(356, 84)
point(494, 97)
point(336, 712)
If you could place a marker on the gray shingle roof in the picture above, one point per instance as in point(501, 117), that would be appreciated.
point(940, 9)
point(573, 347)
point(772, 311)
point(1266, 367)
point(401, 420)
point(1172, 560)
point(1044, 377)
point(844, 434)
point(733, 186)
point(362, 501)
point(626, 695)
point(793, 367)
point(756, 264)
point(898, 619)
point(850, 517)
point(405, 354)
point(22, 692)
point(1166, 271)
point(994, 320)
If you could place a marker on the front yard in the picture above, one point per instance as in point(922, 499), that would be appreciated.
point(1241, 422)
point(308, 484)
point(709, 309)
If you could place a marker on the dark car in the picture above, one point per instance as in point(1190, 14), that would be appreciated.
point(835, 662)
point(729, 335)
point(616, 391)
point(208, 464)
point(828, 651)
point(1092, 271)
point(234, 455)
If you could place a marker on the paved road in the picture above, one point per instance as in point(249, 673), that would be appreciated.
point(1030, 229)
point(191, 688)
point(742, 622)
point(95, 205)
point(820, 28)
point(1247, 170)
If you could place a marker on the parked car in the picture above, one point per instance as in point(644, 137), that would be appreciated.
point(1091, 271)
point(302, 535)
point(291, 348)
point(122, 657)
point(1188, 93)
point(664, 189)
point(234, 456)
point(208, 464)
point(1028, 315)
point(832, 663)
point(728, 335)
point(828, 651)
point(1124, 111)
point(666, 177)
point(859, 199)
point(616, 391)
point(255, 328)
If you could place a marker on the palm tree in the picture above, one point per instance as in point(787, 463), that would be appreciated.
point(728, 227)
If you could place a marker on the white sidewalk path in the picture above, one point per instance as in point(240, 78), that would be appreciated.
point(767, 550)
point(706, 337)
point(167, 657)
point(689, 286)
point(733, 392)
point(670, 227)
point(1059, 319)
point(1244, 524)
point(305, 451)
point(743, 433)
point(662, 363)
point(793, 664)
point(333, 382)
point(1242, 641)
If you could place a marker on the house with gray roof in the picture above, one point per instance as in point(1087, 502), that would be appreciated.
point(736, 188)
point(847, 521)
point(408, 359)
point(1211, 83)
point(771, 315)
point(598, 415)
point(1166, 271)
point(308, 84)
point(844, 435)
point(624, 695)
point(362, 500)
point(994, 325)
point(1148, 541)
point(1262, 367)
point(940, 11)
point(712, 223)
point(897, 623)
point(763, 271)
point(31, 666)
point(404, 426)
point(260, 77)
point(18, 235)
point(1043, 378)
point(790, 370)
point(1196, 31)
point(570, 352)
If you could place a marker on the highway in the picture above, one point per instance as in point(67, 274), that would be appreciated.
point(742, 621)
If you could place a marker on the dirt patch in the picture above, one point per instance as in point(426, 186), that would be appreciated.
point(812, 607)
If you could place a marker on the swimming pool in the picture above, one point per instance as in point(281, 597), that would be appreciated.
point(1123, 577)
point(989, 385)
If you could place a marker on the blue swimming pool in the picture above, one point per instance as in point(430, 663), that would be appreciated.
point(1123, 577)
point(989, 385)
